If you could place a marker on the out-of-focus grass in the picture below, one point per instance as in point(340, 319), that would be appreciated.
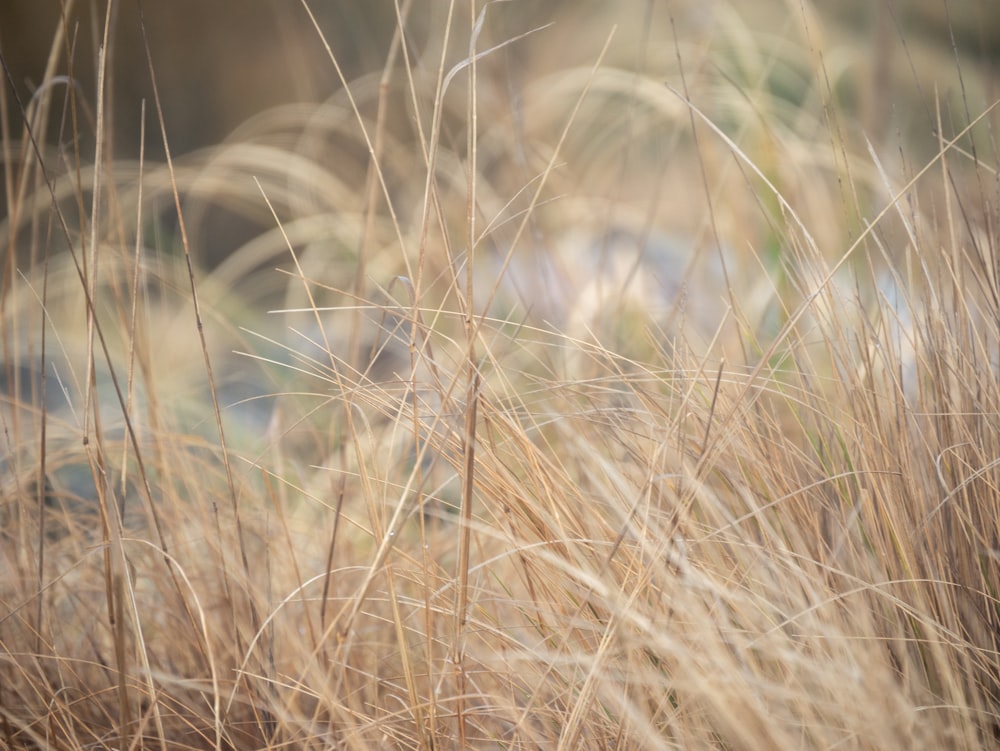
point(611, 396)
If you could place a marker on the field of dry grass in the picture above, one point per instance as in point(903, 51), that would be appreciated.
point(616, 379)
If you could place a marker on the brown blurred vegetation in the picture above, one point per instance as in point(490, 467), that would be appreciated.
point(218, 64)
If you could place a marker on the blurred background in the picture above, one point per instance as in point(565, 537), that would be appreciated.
point(800, 88)
point(217, 64)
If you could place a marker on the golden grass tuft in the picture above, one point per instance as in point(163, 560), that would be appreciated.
point(561, 411)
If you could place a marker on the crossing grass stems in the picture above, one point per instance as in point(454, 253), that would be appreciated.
point(360, 485)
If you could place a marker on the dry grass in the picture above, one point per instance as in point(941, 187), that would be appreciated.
point(590, 412)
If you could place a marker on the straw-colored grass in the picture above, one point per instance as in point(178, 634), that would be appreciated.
point(640, 404)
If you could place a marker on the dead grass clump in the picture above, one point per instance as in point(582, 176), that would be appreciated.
point(592, 414)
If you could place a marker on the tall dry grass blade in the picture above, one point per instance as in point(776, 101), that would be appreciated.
point(709, 202)
point(115, 560)
point(265, 722)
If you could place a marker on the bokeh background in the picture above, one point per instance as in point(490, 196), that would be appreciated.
point(219, 63)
